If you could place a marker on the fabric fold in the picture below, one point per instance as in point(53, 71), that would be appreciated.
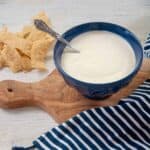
point(124, 126)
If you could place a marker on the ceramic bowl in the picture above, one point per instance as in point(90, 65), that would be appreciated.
point(98, 90)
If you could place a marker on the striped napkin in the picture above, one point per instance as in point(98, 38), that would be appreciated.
point(125, 126)
point(147, 47)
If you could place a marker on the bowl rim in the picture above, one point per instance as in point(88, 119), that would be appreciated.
point(132, 73)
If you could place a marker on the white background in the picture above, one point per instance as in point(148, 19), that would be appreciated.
point(22, 126)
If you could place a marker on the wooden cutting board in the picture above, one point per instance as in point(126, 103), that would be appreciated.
point(58, 99)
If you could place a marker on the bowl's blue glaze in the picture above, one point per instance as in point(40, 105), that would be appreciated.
point(98, 90)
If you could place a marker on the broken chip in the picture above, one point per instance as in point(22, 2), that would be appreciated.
point(25, 50)
point(11, 58)
point(38, 53)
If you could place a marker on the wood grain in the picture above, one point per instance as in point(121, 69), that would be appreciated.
point(57, 98)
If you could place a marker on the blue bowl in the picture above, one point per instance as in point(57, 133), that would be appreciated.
point(98, 90)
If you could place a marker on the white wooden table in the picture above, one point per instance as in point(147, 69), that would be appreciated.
point(22, 126)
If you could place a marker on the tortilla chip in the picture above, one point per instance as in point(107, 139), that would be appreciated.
point(1, 46)
point(16, 42)
point(36, 34)
point(38, 53)
point(25, 31)
point(1, 62)
point(1, 59)
point(42, 16)
point(11, 58)
point(26, 63)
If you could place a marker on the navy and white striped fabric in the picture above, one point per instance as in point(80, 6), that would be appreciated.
point(125, 126)
point(147, 47)
point(122, 127)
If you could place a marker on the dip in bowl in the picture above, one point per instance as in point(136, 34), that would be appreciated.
point(110, 56)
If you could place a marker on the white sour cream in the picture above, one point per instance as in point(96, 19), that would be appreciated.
point(104, 57)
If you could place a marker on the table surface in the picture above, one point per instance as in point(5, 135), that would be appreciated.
point(22, 126)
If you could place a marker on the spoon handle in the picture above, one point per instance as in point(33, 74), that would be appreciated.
point(41, 25)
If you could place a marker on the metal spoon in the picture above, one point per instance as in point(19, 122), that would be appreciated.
point(41, 25)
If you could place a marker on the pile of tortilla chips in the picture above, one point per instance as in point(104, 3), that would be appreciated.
point(27, 49)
